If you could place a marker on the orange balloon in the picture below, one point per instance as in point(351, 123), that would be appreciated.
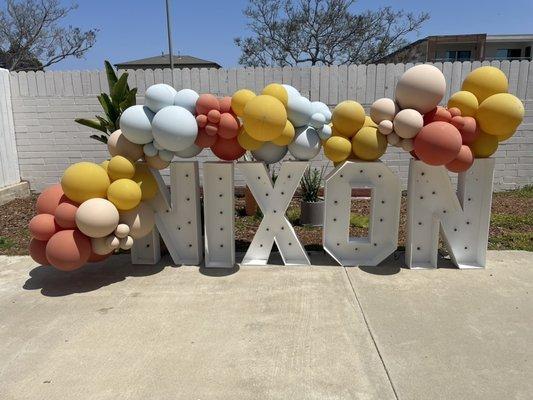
point(228, 149)
point(213, 116)
point(49, 199)
point(65, 214)
point(225, 104)
point(38, 252)
point(68, 250)
point(470, 130)
point(43, 226)
point(201, 120)
point(206, 103)
point(228, 127)
point(437, 114)
point(438, 143)
point(204, 140)
point(463, 161)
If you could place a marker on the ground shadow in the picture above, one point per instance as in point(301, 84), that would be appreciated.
point(217, 272)
point(55, 283)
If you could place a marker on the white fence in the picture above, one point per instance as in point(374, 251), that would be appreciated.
point(44, 105)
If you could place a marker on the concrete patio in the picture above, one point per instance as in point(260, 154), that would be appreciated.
point(117, 331)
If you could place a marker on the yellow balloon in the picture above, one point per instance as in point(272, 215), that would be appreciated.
point(246, 141)
point(484, 146)
point(239, 100)
point(500, 114)
point(278, 91)
point(85, 180)
point(348, 117)
point(146, 181)
point(369, 122)
point(264, 118)
point(503, 138)
point(120, 167)
point(286, 136)
point(368, 144)
point(485, 81)
point(464, 101)
point(125, 194)
point(337, 148)
point(104, 164)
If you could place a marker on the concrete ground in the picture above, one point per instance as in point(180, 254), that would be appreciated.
point(117, 331)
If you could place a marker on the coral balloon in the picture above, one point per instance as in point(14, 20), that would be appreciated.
point(118, 145)
point(383, 109)
point(348, 117)
point(462, 162)
point(65, 214)
point(225, 104)
point(213, 116)
point(438, 143)
point(485, 145)
point(120, 167)
point(407, 123)
point(458, 122)
point(43, 227)
point(228, 126)
point(464, 101)
point(37, 251)
point(278, 91)
point(201, 120)
point(206, 103)
point(204, 140)
point(228, 149)
point(83, 181)
point(49, 199)
point(239, 100)
point(247, 142)
point(97, 217)
point(469, 131)
point(484, 82)
point(286, 136)
point(68, 250)
point(500, 114)
point(437, 114)
point(140, 220)
point(156, 162)
point(264, 118)
point(368, 144)
point(125, 194)
point(421, 88)
point(337, 148)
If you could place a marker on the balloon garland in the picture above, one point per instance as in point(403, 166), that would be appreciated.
point(99, 208)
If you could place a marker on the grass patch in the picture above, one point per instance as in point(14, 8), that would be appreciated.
point(513, 241)
point(359, 221)
point(511, 221)
point(5, 243)
point(293, 215)
point(526, 191)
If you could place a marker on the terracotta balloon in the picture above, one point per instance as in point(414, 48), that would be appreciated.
point(225, 104)
point(228, 149)
point(37, 251)
point(118, 145)
point(206, 103)
point(438, 143)
point(68, 250)
point(470, 130)
point(458, 122)
point(213, 116)
point(228, 126)
point(43, 226)
point(201, 120)
point(211, 129)
point(49, 199)
point(462, 162)
point(437, 114)
point(454, 111)
point(65, 214)
point(204, 140)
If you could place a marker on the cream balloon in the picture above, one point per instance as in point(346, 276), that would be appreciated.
point(97, 217)
point(421, 88)
point(383, 109)
point(407, 123)
point(141, 220)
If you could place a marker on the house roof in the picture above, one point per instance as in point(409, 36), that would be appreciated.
point(163, 59)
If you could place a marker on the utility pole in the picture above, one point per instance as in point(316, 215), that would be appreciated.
point(169, 31)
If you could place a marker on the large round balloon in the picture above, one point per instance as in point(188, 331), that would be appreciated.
point(189, 152)
point(306, 144)
point(421, 88)
point(286, 136)
point(136, 124)
point(239, 100)
point(299, 111)
point(485, 81)
point(270, 153)
point(228, 126)
point(65, 214)
point(228, 149)
point(348, 117)
point(278, 91)
point(37, 251)
point(43, 227)
point(438, 143)
point(485, 145)
point(207, 102)
point(464, 101)
point(97, 217)
point(125, 194)
point(463, 161)
point(383, 109)
point(118, 145)
point(174, 128)
point(500, 114)
point(407, 123)
point(159, 96)
point(83, 181)
point(368, 144)
point(68, 250)
point(187, 99)
point(337, 148)
point(141, 220)
point(264, 118)
point(247, 142)
point(120, 167)
point(49, 199)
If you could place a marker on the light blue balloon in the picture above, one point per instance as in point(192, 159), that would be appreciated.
point(306, 144)
point(319, 107)
point(270, 153)
point(159, 96)
point(325, 132)
point(136, 124)
point(187, 99)
point(174, 128)
point(189, 152)
point(299, 111)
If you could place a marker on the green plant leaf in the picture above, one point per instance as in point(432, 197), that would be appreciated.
point(119, 90)
point(129, 100)
point(101, 138)
point(110, 125)
point(109, 108)
point(111, 75)
point(91, 123)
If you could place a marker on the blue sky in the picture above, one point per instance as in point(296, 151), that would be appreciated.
point(132, 29)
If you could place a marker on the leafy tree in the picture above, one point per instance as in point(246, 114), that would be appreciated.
point(322, 32)
point(31, 36)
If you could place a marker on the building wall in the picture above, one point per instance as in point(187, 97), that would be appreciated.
point(492, 48)
point(48, 140)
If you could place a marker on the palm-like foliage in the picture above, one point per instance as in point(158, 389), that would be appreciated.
point(119, 98)
point(311, 183)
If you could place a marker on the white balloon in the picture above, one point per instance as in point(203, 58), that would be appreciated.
point(270, 153)
point(317, 120)
point(166, 155)
point(149, 149)
point(189, 152)
point(306, 144)
point(319, 107)
point(159, 96)
point(187, 99)
point(174, 128)
point(325, 132)
point(136, 124)
point(299, 111)
point(292, 92)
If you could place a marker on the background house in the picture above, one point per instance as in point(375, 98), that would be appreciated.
point(475, 47)
point(162, 61)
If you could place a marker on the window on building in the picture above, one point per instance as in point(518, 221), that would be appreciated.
point(508, 54)
point(458, 55)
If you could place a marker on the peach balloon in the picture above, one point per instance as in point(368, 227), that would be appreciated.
point(225, 104)
point(38, 251)
point(206, 103)
point(204, 140)
point(65, 214)
point(438, 143)
point(228, 149)
point(470, 130)
point(49, 199)
point(43, 226)
point(68, 250)
point(118, 145)
point(463, 161)
point(228, 127)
